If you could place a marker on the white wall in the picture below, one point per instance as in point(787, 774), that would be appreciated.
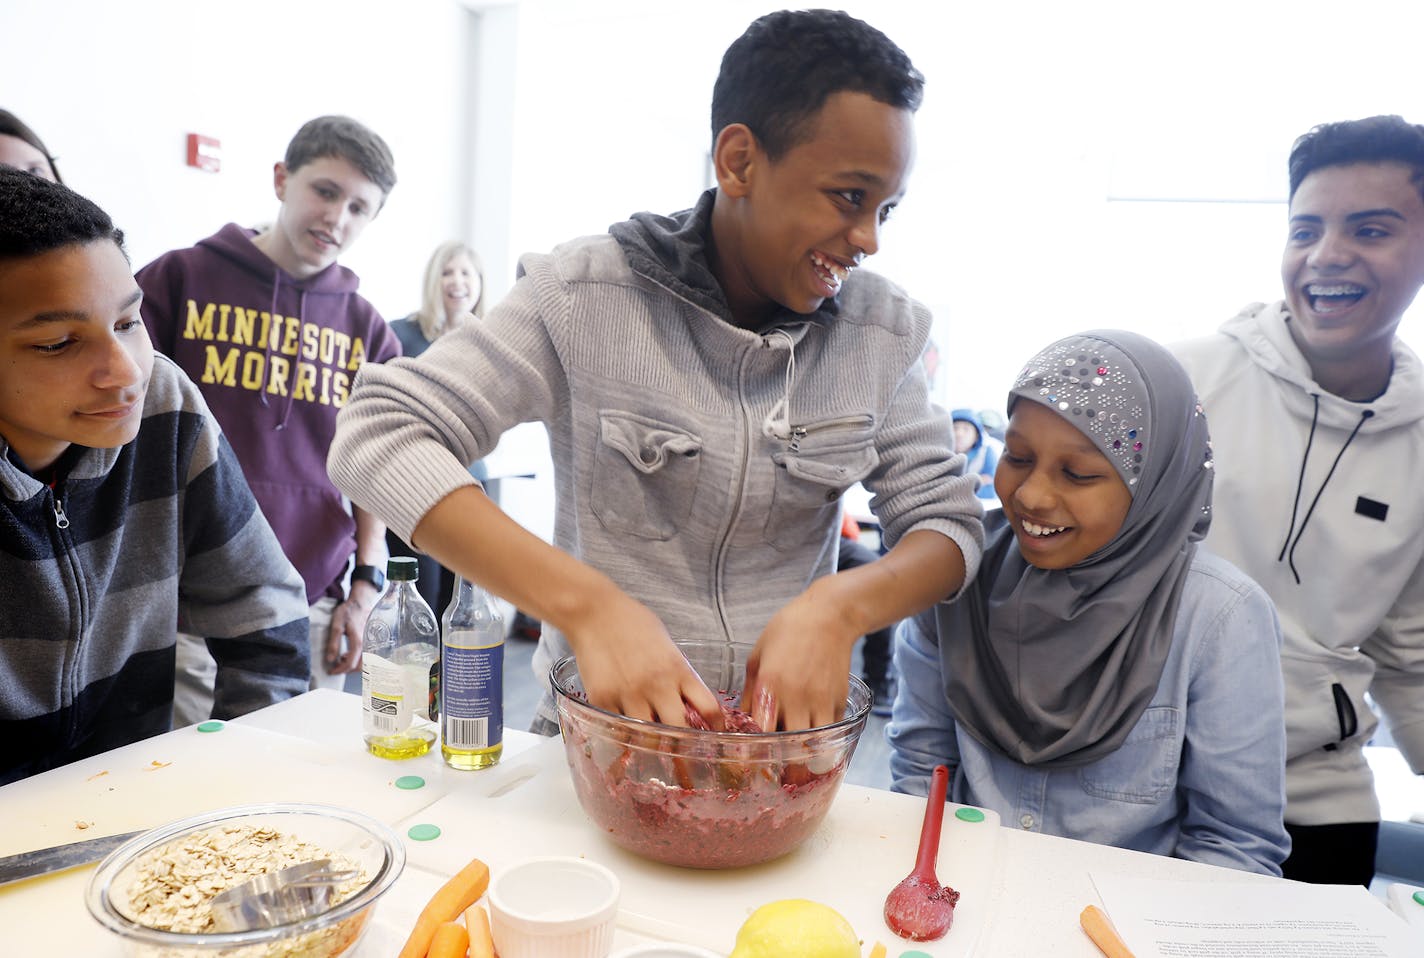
point(1065, 149)
point(1045, 127)
point(114, 88)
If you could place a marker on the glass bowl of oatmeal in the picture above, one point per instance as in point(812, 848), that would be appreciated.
point(699, 798)
point(154, 892)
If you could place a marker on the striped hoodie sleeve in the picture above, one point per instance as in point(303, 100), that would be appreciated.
point(236, 587)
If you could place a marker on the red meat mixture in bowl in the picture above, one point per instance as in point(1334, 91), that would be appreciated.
point(700, 798)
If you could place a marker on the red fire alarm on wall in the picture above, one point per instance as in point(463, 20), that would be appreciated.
point(204, 152)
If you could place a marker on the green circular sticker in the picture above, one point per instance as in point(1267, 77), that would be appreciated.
point(213, 726)
point(1419, 897)
point(424, 833)
point(914, 954)
point(969, 814)
point(410, 782)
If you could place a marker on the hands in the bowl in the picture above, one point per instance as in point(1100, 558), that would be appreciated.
point(628, 664)
point(797, 677)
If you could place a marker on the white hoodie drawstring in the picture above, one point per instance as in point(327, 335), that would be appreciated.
point(777, 424)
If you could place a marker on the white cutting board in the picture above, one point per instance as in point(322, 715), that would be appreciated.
point(124, 790)
point(863, 849)
point(187, 772)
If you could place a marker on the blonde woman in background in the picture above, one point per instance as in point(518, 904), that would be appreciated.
point(453, 292)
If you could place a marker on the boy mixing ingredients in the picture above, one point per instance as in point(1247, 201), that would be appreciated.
point(712, 382)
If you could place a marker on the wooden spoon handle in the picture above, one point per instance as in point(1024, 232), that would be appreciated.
point(934, 821)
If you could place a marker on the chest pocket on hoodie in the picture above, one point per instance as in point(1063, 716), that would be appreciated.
point(644, 474)
point(1143, 770)
point(829, 457)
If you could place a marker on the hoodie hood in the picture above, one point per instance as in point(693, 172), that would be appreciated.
point(672, 252)
point(971, 417)
point(1263, 331)
point(234, 243)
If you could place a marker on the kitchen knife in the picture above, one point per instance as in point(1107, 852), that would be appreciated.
point(45, 860)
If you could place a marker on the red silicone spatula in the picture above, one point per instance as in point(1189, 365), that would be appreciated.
point(920, 908)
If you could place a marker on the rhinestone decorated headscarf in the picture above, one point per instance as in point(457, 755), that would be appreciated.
point(1055, 667)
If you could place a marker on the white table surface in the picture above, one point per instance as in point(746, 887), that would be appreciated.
point(1039, 883)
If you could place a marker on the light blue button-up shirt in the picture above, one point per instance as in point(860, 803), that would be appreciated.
point(1202, 774)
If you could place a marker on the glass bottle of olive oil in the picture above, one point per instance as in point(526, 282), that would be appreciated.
point(399, 651)
point(472, 679)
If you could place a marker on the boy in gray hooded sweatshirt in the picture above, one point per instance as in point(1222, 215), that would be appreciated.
point(712, 381)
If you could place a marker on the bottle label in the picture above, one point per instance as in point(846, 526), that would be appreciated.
point(383, 696)
point(471, 693)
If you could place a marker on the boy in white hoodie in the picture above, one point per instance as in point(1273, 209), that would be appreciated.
point(1318, 428)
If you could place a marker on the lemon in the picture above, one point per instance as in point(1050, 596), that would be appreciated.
point(796, 928)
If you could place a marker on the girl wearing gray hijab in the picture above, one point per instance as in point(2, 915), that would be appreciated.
point(1104, 678)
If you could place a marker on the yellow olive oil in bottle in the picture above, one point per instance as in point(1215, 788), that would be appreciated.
point(400, 646)
point(472, 679)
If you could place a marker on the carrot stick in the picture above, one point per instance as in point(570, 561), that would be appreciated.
point(477, 921)
point(451, 941)
point(1104, 935)
point(457, 894)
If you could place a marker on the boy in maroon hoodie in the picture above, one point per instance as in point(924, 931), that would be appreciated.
point(272, 330)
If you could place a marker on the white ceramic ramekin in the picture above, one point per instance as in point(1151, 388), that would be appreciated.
point(553, 908)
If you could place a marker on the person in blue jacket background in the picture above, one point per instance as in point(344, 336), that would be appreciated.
point(982, 449)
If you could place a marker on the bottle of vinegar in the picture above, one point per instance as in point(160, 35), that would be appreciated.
point(400, 647)
point(472, 679)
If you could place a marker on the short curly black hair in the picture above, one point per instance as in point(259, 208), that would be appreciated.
point(777, 75)
point(37, 216)
point(1375, 139)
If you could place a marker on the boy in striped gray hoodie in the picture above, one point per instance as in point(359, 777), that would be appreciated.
point(123, 513)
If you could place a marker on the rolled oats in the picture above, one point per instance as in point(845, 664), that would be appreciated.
point(175, 885)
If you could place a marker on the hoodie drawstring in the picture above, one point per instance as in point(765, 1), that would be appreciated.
point(1288, 547)
point(267, 349)
point(1300, 481)
point(777, 424)
point(267, 339)
point(295, 377)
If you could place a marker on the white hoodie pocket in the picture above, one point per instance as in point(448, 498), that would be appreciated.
point(1325, 704)
point(644, 474)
